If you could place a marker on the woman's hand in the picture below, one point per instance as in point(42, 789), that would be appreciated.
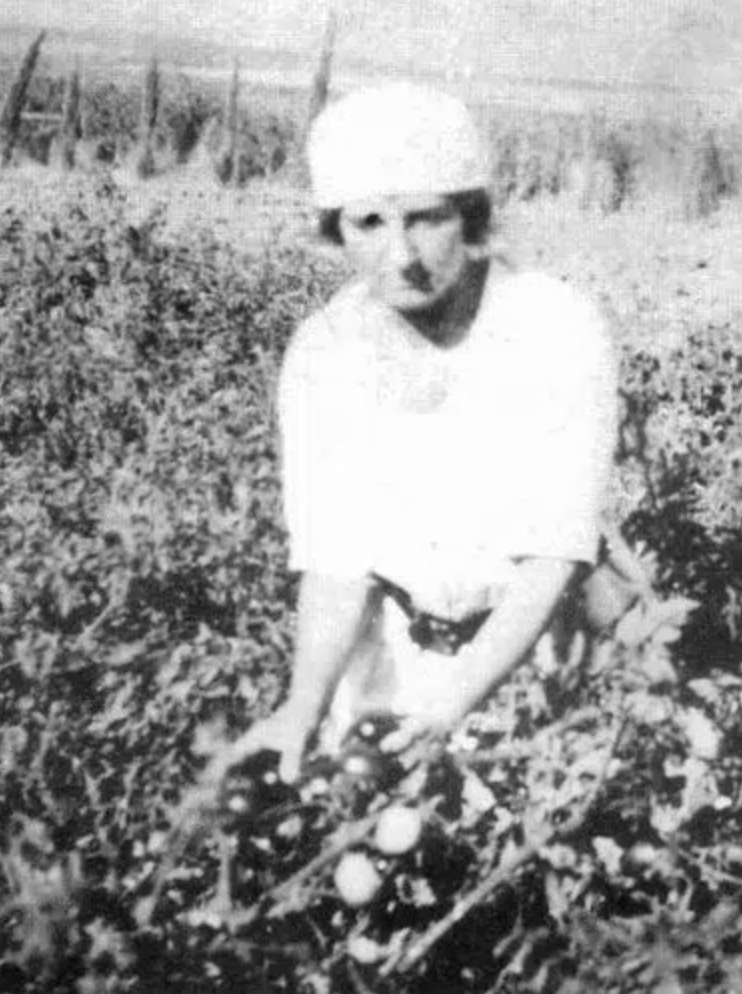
point(286, 732)
point(433, 724)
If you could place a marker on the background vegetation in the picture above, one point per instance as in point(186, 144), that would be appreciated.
point(192, 115)
point(604, 160)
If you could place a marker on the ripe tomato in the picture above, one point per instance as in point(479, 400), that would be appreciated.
point(357, 879)
point(398, 830)
point(364, 950)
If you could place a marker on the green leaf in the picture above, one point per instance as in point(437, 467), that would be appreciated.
point(658, 668)
point(126, 653)
point(609, 853)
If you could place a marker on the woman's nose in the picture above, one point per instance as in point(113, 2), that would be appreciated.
point(401, 249)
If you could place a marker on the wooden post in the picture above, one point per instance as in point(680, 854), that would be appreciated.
point(226, 165)
point(148, 119)
point(321, 81)
point(11, 114)
point(70, 131)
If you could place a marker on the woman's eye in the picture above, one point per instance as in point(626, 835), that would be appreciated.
point(369, 222)
point(433, 218)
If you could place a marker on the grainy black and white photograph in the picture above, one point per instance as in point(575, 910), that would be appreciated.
point(371, 497)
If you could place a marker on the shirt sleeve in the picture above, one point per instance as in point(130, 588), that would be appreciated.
point(325, 483)
point(568, 433)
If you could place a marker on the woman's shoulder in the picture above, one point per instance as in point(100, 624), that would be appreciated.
point(327, 341)
point(538, 306)
point(334, 323)
point(535, 290)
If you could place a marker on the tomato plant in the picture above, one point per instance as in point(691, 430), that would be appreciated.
point(580, 832)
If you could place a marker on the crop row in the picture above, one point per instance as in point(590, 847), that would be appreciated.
point(603, 159)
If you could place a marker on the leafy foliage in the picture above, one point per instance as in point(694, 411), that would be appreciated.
point(681, 445)
point(580, 832)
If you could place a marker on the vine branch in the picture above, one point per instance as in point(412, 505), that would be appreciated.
point(505, 869)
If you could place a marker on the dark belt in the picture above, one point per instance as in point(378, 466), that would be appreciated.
point(430, 631)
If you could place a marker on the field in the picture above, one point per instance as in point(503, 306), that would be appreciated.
point(580, 834)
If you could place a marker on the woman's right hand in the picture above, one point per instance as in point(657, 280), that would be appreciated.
point(286, 732)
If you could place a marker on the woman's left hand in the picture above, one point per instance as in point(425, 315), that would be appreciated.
point(432, 725)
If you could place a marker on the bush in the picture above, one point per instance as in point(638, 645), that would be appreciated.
point(680, 457)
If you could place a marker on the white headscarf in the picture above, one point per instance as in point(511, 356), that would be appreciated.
point(398, 138)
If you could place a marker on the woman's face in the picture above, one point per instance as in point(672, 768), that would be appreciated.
point(410, 249)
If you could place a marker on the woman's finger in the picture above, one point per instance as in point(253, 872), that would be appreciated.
point(404, 736)
point(290, 765)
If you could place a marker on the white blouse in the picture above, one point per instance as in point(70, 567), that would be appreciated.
point(437, 467)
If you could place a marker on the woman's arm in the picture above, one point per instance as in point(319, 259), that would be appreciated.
point(565, 482)
point(333, 617)
point(507, 635)
point(514, 627)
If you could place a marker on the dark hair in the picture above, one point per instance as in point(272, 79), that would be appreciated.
point(474, 206)
point(328, 225)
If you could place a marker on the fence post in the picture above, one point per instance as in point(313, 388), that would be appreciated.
point(70, 131)
point(11, 114)
point(227, 164)
point(148, 119)
point(321, 81)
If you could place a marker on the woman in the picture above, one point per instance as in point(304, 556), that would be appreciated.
point(448, 428)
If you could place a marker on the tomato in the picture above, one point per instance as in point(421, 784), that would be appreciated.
point(357, 879)
point(398, 830)
point(252, 790)
point(363, 764)
point(239, 804)
point(364, 950)
point(362, 759)
point(373, 729)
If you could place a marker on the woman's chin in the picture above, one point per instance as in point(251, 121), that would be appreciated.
point(412, 301)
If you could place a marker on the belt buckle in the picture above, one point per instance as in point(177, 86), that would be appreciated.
point(435, 635)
